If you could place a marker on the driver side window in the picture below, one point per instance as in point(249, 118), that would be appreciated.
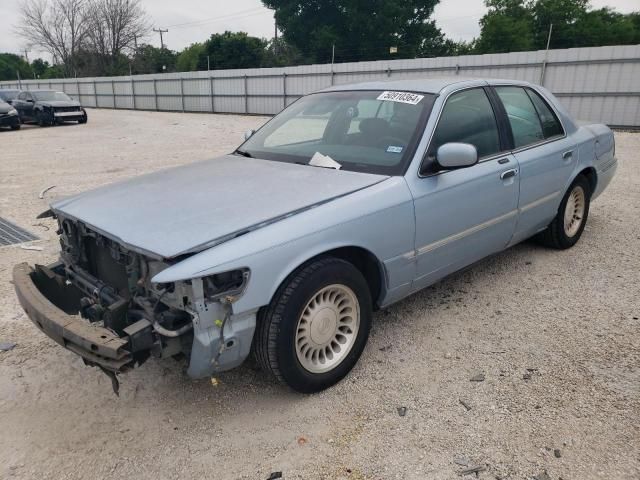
point(467, 117)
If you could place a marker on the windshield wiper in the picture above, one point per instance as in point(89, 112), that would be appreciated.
point(243, 153)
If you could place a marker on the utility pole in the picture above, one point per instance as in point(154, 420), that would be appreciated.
point(546, 56)
point(333, 55)
point(275, 37)
point(161, 31)
point(549, 38)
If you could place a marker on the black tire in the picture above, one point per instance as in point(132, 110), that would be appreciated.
point(555, 235)
point(277, 324)
point(84, 119)
point(43, 119)
point(15, 127)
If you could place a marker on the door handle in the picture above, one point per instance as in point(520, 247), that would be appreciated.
point(509, 174)
point(567, 155)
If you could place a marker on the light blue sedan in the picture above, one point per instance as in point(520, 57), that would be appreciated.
point(349, 200)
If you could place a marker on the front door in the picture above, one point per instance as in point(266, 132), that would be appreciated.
point(464, 215)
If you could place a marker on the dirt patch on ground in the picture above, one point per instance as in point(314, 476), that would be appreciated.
point(554, 333)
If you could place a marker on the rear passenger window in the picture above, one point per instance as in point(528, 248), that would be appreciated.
point(523, 117)
point(551, 126)
point(468, 117)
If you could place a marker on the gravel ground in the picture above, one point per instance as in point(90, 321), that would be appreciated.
point(554, 333)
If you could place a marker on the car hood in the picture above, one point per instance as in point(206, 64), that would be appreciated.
point(190, 208)
point(59, 103)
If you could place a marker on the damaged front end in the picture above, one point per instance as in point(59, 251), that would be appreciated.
point(99, 302)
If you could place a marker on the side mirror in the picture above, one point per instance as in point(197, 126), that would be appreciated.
point(248, 134)
point(456, 155)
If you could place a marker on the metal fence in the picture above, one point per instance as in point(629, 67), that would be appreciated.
point(597, 84)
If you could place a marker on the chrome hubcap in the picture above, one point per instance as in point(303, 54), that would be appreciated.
point(327, 328)
point(574, 212)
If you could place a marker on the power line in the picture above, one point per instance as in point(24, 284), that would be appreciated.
point(240, 14)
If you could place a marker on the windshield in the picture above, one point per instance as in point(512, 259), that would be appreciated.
point(363, 131)
point(8, 95)
point(51, 97)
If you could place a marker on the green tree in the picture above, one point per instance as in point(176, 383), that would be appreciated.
point(189, 59)
point(508, 26)
point(233, 50)
point(359, 30)
point(11, 64)
point(565, 15)
point(149, 59)
point(517, 25)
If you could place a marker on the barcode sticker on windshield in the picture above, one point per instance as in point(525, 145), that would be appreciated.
point(401, 97)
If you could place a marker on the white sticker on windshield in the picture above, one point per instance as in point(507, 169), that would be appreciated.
point(394, 149)
point(401, 97)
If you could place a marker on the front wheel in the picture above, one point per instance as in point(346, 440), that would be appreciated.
point(43, 119)
point(566, 228)
point(316, 327)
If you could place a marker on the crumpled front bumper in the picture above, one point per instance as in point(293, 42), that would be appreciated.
point(49, 303)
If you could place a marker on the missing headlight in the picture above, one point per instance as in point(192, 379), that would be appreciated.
point(230, 283)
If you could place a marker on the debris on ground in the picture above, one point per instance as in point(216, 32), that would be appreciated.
point(31, 247)
point(302, 441)
point(542, 476)
point(274, 476)
point(385, 348)
point(475, 469)
point(402, 411)
point(462, 461)
point(557, 453)
point(465, 404)
point(6, 346)
point(214, 381)
point(477, 378)
point(526, 376)
point(41, 195)
point(41, 225)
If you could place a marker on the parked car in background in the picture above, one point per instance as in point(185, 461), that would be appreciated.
point(347, 201)
point(48, 107)
point(9, 116)
point(8, 95)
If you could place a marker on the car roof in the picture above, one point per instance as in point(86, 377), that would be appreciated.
point(433, 85)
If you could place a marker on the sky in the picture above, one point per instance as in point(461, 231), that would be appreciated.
point(190, 21)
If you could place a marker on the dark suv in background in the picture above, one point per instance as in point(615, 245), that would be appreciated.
point(48, 107)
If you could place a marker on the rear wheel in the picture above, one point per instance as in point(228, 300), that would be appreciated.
point(15, 127)
point(566, 228)
point(316, 327)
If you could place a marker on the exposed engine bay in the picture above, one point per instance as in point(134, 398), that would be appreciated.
point(110, 287)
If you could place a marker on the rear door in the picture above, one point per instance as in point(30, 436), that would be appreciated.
point(464, 215)
point(545, 155)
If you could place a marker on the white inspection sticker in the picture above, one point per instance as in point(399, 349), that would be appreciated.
point(394, 149)
point(401, 97)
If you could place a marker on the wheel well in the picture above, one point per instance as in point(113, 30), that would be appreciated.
point(591, 176)
point(364, 261)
